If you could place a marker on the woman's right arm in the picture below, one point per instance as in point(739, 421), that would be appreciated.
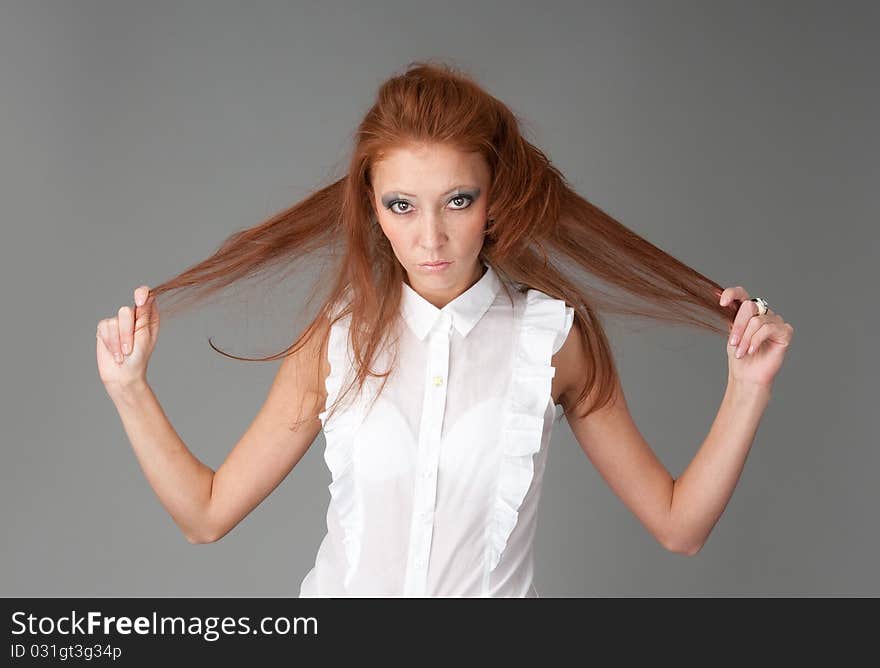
point(180, 480)
point(206, 504)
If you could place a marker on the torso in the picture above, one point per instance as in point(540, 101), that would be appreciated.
point(435, 486)
point(557, 386)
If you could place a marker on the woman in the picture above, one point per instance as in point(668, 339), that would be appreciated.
point(456, 321)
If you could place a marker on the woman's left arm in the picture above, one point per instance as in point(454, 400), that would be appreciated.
point(755, 351)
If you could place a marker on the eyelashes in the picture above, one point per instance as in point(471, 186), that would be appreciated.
point(467, 198)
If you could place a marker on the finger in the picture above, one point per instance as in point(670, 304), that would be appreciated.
point(779, 332)
point(747, 309)
point(101, 334)
point(140, 295)
point(126, 329)
point(729, 294)
point(730, 297)
point(113, 339)
point(760, 336)
point(151, 315)
point(755, 323)
point(140, 308)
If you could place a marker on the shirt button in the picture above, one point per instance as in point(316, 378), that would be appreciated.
point(438, 380)
point(426, 516)
point(427, 473)
point(420, 562)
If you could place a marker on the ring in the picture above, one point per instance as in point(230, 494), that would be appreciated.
point(762, 304)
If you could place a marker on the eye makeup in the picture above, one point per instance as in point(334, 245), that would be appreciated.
point(390, 197)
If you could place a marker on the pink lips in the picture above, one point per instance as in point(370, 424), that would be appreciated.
point(434, 267)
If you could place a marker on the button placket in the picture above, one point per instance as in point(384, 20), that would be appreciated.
point(433, 408)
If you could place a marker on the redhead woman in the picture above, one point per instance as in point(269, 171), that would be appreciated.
point(455, 321)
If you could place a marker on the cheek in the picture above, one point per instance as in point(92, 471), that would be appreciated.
point(475, 229)
point(393, 232)
point(397, 237)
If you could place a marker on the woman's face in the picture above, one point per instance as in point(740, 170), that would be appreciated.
point(431, 203)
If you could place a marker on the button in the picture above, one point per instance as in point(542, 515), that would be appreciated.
point(426, 516)
point(420, 562)
point(438, 380)
point(427, 473)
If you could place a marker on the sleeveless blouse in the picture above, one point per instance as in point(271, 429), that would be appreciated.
point(435, 489)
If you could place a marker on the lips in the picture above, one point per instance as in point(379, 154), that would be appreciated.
point(433, 264)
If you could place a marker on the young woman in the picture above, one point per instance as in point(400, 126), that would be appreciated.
point(457, 318)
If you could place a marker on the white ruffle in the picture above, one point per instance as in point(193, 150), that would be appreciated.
point(543, 328)
point(563, 333)
point(339, 434)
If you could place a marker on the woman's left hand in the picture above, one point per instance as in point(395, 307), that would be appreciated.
point(756, 344)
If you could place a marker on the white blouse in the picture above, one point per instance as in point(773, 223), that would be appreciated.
point(435, 491)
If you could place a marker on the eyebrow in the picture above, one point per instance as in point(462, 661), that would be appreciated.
point(387, 197)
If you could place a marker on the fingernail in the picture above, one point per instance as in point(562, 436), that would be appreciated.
point(751, 349)
point(118, 358)
point(125, 348)
point(739, 353)
point(734, 340)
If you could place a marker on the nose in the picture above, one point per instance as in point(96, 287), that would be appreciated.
point(432, 233)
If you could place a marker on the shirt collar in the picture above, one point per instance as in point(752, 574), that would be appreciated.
point(465, 310)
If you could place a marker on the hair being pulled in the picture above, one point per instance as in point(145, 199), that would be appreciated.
point(541, 234)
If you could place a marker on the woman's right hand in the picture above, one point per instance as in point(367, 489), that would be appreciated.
point(131, 327)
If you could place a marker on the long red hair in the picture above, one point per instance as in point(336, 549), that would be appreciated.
point(541, 234)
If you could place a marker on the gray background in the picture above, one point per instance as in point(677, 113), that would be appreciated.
point(741, 137)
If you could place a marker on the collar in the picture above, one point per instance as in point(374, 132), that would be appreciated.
point(465, 310)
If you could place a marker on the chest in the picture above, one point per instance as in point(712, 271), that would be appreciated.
point(467, 374)
point(441, 408)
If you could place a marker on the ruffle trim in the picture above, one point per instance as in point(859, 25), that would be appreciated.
point(543, 329)
point(339, 434)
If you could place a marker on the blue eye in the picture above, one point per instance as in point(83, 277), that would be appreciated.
point(467, 198)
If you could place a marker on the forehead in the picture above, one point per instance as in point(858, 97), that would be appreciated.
point(409, 165)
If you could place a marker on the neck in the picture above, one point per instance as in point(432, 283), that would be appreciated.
point(440, 296)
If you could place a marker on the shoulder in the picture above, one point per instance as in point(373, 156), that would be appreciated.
point(572, 367)
point(568, 355)
point(550, 322)
point(541, 311)
point(310, 364)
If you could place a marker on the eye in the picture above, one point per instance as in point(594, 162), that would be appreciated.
point(467, 198)
point(397, 201)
